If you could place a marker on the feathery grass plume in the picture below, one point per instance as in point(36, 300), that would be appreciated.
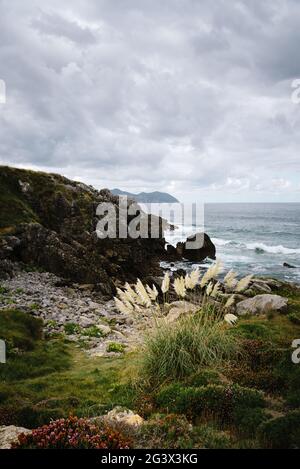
point(209, 274)
point(230, 319)
point(121, 295)
point(209, 288)
point(152, 292)
point(230, 302)
point(243, 284)
point(142, 293)
point(192, 280)
point(179, 287)
point(230, 279)
point(125, 308)
point(165, 283)
point(130, 293)
point(216, 290)
point(217, 269)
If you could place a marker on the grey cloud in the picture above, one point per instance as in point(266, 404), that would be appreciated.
point(188, 94)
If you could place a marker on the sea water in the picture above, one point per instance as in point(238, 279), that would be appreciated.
point(251, 238)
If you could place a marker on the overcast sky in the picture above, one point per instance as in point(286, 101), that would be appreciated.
point(192, 97)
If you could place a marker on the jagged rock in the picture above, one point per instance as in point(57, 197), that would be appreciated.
point(51, 224)
point(179, 308)
point(203, 247)
point(288, 266)
point(9, 435)
point(262, 304)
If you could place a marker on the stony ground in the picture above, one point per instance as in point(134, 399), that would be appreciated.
point(95, 324)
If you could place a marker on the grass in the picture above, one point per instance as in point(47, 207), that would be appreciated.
point(192, 368)
point(179, 349)
point(46, 379)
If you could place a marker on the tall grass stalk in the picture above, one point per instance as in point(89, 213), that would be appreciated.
point(174, 351)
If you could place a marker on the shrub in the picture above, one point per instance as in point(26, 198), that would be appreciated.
point(294, 318)
point(166, 431)
point(247, 420)
point(281, 432)
point(175, 351)
point(72, 433)
point(215, 400)
point(92, 331)
point(19, 330)
point(116, 347)
point(203, 378)
point(71, 328)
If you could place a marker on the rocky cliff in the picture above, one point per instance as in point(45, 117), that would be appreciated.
point(49, 221)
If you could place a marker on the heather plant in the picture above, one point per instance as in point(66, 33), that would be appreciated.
point(72, 433)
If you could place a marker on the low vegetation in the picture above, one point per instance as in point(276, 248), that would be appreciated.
point(199, 382)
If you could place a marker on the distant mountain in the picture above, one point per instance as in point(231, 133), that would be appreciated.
point(148, 197)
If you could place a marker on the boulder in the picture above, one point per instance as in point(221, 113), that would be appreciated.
point(288, 266)
point(178, 308)
point(262, 304)
point(121, 417)
point(9, 435)
point(201, 247)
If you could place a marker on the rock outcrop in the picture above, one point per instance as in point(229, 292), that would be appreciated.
point(49, 222)
point(9, 435)
point(197, 248)
point(262, 304)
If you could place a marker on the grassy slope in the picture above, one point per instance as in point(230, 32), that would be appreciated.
point(45, 379)
point(53, 378)
point(39, 204)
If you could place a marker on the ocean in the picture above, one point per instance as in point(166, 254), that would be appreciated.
point(252, 238)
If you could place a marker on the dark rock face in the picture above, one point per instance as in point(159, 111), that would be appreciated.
point(288, 266)
point(50, 222)
point(197, 248)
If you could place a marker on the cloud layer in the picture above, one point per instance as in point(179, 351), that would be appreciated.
point(188, 96)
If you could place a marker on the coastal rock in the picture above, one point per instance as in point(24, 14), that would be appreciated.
point(121, 417)
point(53, 224)
point(289, 266)
point(179, 308)
point(201, 248)
point(262, 304)
point(9, 435)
